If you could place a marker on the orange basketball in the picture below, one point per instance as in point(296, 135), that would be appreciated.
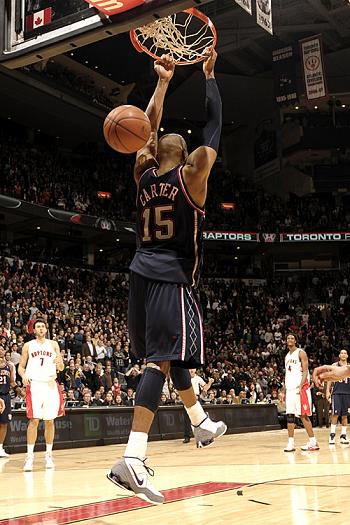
point(126, 129)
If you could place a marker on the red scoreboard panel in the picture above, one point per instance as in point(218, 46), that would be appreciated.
point(33, 30)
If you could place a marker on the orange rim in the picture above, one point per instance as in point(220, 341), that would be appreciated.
point(192, 11)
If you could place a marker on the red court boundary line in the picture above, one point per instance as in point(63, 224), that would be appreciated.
point(115, 506)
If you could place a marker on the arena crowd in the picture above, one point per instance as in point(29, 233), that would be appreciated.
point(74, 182)
point(245, 329)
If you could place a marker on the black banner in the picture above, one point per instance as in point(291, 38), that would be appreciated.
point(285, 75)
point(101, 426)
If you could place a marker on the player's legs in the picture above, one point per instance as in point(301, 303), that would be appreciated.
point(5, 417)
point(312, 444)
point(3, 432)
point(131, 472)
point(205, 430)
point(49, 437)
point(32, 432)
point(291, 410)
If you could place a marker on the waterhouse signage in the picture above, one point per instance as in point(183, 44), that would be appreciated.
point(276, 237)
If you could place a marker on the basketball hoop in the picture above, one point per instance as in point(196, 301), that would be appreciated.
point(184, 36)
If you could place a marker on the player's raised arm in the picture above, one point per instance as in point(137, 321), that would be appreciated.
point(145, 157)
point(199, 163)
point(330, 373)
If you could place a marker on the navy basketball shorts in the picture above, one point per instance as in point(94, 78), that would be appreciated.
point(5, 417)
point(340, 404)
point(165, 322)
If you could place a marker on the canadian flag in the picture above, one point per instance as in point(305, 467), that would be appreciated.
point(38, 19)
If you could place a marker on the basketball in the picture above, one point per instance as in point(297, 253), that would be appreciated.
point(126, 129)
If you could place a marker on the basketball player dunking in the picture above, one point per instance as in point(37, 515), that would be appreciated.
point(7, 380)
point(40, 360)
point(297, 394)
point(165, 323)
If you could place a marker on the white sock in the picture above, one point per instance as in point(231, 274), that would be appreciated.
point(343, 430)
point(198, 416)
point(312, 440)
point(1, 446)
point(137, 445)
point(333, 429)
point(30, 450)
point(49, 448)
point(290, 441)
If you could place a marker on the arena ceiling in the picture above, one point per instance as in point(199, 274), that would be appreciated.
point(245, 50)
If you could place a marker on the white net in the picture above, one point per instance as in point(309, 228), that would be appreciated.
point(181, 35)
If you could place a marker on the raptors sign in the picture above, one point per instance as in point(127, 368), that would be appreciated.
point(112, 7)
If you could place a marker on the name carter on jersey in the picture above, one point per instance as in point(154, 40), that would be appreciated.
point(4, 372)
point(162, 189)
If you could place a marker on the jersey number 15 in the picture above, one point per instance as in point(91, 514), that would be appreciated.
point(163, 224)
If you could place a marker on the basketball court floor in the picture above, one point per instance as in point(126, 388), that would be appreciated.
point(241, 478)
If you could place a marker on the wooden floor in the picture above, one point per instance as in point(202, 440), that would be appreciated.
point(244, 478)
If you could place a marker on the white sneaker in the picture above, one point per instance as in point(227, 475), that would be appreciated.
point(49, 461)
point(28, 464)
point(331, 439)
point(289, 448)
point(310, 447)
point(3, 454)
point(132, 474)
point(343, 440)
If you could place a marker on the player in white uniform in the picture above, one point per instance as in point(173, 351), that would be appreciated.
point(40, 360)
point(297, 394)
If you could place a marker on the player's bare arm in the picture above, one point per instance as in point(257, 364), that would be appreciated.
point(2, 405)
point(305, 367)
point(330, 373)
point(58, 361)
point(146, 157)
point(200, 162)
point(22, 365)
point(12, 378)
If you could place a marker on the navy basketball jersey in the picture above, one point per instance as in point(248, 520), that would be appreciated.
point(5, 379)
point(168, 229)
point(343, 386)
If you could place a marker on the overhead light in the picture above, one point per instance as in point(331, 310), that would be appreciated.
point(96, 67)
point(236, 258)
point(238, 247)
point(189, 131)
point(38, 227)
point(296, 107)
point(101, 249)
point(9, 118)
point(72, 54)
point(315, 107)
point(86, 61)
point(343, 105)
point(117, 240)
point(161, 129)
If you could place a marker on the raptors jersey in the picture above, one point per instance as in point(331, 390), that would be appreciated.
point(294, 370)
point(168, 229)
point(41, 364)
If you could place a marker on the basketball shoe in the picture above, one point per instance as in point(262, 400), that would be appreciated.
point(207, 431)
point(310, 447)
point(289, 448)
point(49, 461)
point(344, 440)
point(3, 454)
point(132, 474)
point(28, 464)
point(331, 440)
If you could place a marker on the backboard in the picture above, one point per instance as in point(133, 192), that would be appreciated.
point(33, 30)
